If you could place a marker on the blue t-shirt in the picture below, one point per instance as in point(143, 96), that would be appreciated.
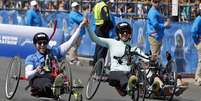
point(75, 18)
point(33, 18)
point(155, 24)
point(37, 59)
point(196, 30)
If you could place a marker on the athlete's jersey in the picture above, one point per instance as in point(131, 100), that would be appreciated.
point(116, 48)
point(35, 60)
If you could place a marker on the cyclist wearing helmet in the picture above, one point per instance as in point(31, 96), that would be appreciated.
point(40, 81)
point(119, 72)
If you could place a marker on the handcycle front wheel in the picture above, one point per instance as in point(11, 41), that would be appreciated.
point(66, 69)
point(95, 79)
point(73, 95)
point(12, 77)
point(139, 89)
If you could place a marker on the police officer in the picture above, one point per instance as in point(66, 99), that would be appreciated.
point(103, 25)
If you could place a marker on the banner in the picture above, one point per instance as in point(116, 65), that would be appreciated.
point(17, 39)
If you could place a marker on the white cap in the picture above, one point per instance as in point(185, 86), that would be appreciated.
point(112, 1)
point(74, 4)
point(33, 3)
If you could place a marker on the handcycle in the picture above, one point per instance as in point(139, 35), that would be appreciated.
point(13, 76)
point(100, 69)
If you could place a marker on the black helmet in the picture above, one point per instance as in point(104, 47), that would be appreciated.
point(40, 36)
point(123, 27)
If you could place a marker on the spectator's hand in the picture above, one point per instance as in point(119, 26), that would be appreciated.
point(85, 21)
point(38, 69)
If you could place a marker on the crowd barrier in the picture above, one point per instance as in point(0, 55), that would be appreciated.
point(16, 39)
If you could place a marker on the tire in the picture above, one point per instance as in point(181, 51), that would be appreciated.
point(135, 96)
point(174, 85)
point(140, 87)
point(12, 77)
point(93, 84)
point(68, 74)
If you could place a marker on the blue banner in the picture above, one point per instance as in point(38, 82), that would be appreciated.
point(17, 40)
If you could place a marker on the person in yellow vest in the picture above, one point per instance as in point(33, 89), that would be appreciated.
point(104, 24)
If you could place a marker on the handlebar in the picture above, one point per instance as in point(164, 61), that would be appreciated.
point(119, 59)
point(135, 53)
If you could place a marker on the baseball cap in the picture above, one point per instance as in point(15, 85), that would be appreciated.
point(74, 4)
point(109, 1)
point(33, 3)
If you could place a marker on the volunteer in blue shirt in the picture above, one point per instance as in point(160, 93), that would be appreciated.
point(155, 28)
point(32, 15)
point(75, 18)
point(196, 31)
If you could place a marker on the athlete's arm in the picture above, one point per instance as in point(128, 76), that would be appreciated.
point(101, 41)
point(67, 45)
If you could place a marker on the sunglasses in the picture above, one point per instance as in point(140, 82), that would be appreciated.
point(42, 42)
point(123, 32)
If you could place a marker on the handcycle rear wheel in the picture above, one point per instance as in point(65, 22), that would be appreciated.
point(94, 83)
point(173, 81)
point(12, 77)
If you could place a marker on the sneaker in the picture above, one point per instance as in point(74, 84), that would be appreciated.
point(180, 90)
point(132, 81)
point(75, 62)
point(77, 89)
point(77, 84)
point(58, 85)
point(198, 82)
point(182, 83)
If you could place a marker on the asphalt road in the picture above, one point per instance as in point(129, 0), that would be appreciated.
point(105, 92)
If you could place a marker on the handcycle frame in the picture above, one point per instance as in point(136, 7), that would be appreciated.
point(101, 64)
point(13, 76)
point(141, 89)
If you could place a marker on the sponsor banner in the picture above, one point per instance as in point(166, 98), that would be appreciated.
point(17, 40)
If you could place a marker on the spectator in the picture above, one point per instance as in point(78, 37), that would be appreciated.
point(75, 18)
point(196, 30)
point(25, 5)
point(61, 5)
point(185, 14)
point(155, 29)
point(32, 15)
point(50, 6)
point(103, 26)
point(140, 11)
